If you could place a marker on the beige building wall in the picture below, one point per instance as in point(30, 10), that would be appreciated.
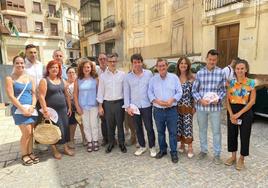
point(158, 28)
point(253, 25)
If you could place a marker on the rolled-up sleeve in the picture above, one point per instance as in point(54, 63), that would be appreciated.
point(195, 89)
point(151, 94)
point(178, 90)
point(126, 93)
point(100, 94)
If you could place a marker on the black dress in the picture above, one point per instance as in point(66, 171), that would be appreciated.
point(55, 98)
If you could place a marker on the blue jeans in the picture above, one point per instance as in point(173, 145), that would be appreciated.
point(166, 118)
point(215, 120)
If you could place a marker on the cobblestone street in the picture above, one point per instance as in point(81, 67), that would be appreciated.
point(98, 169)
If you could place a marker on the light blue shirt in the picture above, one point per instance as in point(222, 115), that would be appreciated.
point(64, 69)
point(87, 93)
point(136, 89)
point(164, 88)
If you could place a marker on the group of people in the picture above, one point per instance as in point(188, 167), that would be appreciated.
point(103, 92)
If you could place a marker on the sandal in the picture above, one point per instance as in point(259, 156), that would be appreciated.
point(34, 158)
point(96, 145)
point(89, 147)
point(28, 162)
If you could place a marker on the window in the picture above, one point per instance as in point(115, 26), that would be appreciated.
point(37, 7)
point(138, 14)
point(177, 37)
point(178, 3)
point(54, 29)
point(52, 9)
point(19, 22)
point(17, 5)
point(69, 26)
point(71, 55)
point(38, 27)
point(157, 9)
point(85, 52)
point(69, 11)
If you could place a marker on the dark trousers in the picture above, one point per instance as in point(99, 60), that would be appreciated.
point(104, 129)
point(146, 116)
point(114, 115)
point(166, 118)
point(244, 128)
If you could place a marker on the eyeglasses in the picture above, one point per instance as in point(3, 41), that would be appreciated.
point(112, 61)
point(102, 58)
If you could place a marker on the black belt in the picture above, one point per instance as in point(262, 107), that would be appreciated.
point(115, 101)
point(168, 108)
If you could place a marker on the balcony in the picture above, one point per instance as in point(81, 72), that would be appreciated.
point(109, 22)
point(214, 7)
point(53, 16)
point(92, 27)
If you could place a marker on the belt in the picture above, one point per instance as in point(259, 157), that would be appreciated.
point(168, 108)
point(115, 101)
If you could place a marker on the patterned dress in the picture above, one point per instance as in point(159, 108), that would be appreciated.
point(185, 119)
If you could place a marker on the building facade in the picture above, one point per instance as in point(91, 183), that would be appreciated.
point(39, 22)
point(103, 25)
point(159, 28)
point(237, 28)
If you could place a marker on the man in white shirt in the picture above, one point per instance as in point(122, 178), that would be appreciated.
point(110, 98)
point(229, 71)
point(35, 69)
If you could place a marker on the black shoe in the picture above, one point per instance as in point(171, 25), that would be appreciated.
point(123, 148)
point(174, 158)
point(160, 154)
point(109, 148)
point(104, 143)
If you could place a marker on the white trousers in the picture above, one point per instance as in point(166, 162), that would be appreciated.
point(90, 123)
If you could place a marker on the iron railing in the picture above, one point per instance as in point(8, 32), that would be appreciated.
point(109, 22)
point(215, 4)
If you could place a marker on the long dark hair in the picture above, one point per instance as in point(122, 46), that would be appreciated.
point(188, 70)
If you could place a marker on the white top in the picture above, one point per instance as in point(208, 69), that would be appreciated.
point(110, 86)
point(35, 70)
point(99, 70)
point(229, 73)
point(70, 90)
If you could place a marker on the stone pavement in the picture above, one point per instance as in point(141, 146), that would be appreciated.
point(98, 169)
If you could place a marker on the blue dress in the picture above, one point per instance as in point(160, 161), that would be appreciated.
point(26, 98)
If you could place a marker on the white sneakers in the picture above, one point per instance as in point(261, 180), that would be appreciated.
point(152, 152)
point(142, 150)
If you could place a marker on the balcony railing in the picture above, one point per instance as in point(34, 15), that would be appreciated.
point(52, 15)
point(215, 4)
point(109, 22)
point(92, 27)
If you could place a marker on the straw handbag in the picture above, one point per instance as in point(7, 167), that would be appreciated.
point(47, 133)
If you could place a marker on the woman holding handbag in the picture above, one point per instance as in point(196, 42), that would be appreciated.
point(20, 89)
point(185, 106)
point(53, 94)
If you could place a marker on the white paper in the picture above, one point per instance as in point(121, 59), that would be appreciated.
point(27, 106)
point(211, 97)
point(53, 115)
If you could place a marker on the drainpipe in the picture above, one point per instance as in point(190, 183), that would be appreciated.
point(257, 21)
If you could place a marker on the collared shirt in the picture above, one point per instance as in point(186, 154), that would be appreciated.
point(99, 70)
point(209, 81)
point(35, 70)
point(164, 89)
point(229, 72)
point(136, 89)
point(63, 70)
point(110, 86)
point(239, 92)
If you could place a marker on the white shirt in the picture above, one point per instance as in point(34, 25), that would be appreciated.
point(110, 86)
point(229, 72)
point(99, 70)
point(34, 70)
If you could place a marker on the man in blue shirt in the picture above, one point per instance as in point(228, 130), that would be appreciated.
point(136, 85)
point(58, 55)
point(164, 92)
point(209, 79)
